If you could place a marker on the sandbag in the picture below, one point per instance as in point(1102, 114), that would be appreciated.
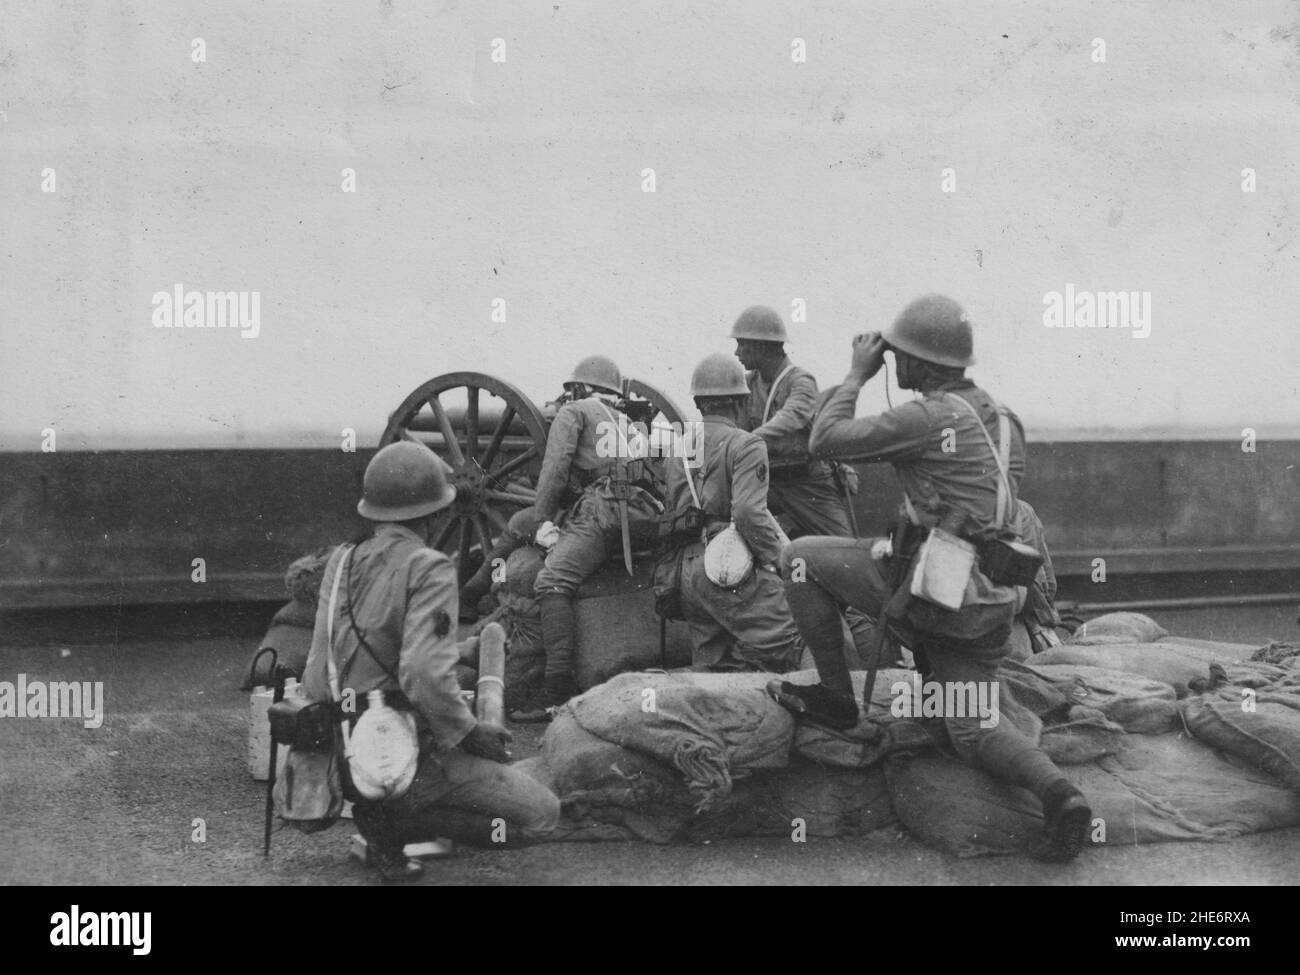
point(1136, 703)
point(1156, 788)
point(612, 793)
point(1170, 662)
point(1267, 737)
point(1029, 700)
point(1117, 628)
point(800, 801)
point(303, 577)
point(875, 735)
point(580, 762)
point(1086, 735)
point(704, 725)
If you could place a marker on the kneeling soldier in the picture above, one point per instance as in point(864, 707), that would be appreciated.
point(394, 630)
point(748, 625)
point(956, 476)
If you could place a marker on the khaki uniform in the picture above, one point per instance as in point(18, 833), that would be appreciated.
point(403, 597)
point(804, 493)
point(943, 461)
point(749, 625)
point(583, 451)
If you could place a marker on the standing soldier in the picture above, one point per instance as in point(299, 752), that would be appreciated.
point(394, 632)
point(746, 626)
point(593, 482)
point(808, 496)
point(960, 458)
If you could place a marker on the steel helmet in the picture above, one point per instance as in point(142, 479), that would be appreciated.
point(933, 328)
point(404, 480)
point(760, 323)
point(598, 370)
point(720, 374)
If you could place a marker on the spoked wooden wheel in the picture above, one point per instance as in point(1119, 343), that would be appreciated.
point(661, 416)
point(492, 438)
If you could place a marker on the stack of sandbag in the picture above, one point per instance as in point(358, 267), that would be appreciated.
point(688, 756)
point(1256, 718)
point(1109, 700)
point(1157, 788)
point(703, 725)
point(291, 627)
point(1135, 644)
point(692, 756)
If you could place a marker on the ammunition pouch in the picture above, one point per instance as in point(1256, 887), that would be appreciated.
point(678, 528)
point(307, 726)
point(1010, 563)
point(983, 622)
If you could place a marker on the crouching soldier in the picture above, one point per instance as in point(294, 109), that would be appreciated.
point(595, 497)
point(746, 625)
point(960, 458)
point(394, 630)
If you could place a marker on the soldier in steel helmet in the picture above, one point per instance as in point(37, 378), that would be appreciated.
point(808, 495)
point(746, 626)
point(960, 457)
point(594, 498)
point(395, 631)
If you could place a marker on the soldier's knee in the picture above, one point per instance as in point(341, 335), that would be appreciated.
point(795, 550)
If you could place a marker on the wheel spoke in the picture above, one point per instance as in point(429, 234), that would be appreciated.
point(484, 535)
point(466, 537)
point(471, 422)
point(516, 463)
point(507, 418)
point(514, 496)
point(497, 518)
point(408, 435)
point(448, 435)
point(444, 533)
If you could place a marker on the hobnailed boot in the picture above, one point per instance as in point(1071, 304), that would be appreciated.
point(816, 703)
point(1066, 818)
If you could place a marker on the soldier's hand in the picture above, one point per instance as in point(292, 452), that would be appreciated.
point(488, 741)
point(868, 355)
point(547, 535)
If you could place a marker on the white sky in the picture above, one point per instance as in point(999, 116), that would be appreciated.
point(522, 180)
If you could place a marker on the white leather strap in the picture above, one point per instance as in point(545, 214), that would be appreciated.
point(771, 393)
point(686, 469)
point(1002, 457)
point(344, 561)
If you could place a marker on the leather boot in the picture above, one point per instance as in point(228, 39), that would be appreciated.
point(1066, 818)
point(560, 639)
